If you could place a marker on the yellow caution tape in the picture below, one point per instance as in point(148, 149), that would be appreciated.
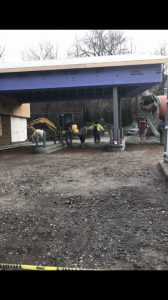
point(39, 268)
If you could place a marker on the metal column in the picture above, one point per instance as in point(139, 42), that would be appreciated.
point(166, 127)
point(115, 113)
point(120, 119)
point(119, 114)
point(44, 139)
point(116, 135)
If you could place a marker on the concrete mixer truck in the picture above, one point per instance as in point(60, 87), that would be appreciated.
point(154, 110)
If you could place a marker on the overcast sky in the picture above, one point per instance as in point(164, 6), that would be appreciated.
point(145, 41)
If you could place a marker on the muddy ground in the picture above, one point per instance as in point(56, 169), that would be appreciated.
point(84, 208)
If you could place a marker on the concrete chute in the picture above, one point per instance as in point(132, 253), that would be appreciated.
point(153, 109)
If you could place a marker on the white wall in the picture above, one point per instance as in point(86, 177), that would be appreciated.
point(18, 129)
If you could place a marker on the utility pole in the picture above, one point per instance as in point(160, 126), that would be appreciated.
point(165, 159)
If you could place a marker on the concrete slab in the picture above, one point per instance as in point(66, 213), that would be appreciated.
point(135, 140)
point(115, 148)
point(163, 168)
point(48, 149)
point(26, 144)
point(89, 143)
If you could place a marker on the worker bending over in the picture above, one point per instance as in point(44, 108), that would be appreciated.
point(37, 135)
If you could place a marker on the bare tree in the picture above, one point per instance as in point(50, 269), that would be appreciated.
point(132, 47)
point(45, 50)
point(99, 43)
point(2, 51)
point(162, 50)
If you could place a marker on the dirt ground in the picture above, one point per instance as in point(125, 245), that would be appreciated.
point(84, 208)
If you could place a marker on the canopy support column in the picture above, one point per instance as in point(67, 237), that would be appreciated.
point(165, 159)
point(116, 143)
point(115, 113)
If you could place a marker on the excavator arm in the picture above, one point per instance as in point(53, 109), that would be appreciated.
point(58, 131)
point(45, 121)
point(31, 127)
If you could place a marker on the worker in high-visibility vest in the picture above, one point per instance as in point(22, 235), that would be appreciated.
point(71, 129)
point(96, 129)
point(75, 129)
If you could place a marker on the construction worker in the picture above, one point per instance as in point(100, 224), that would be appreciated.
point(74, 128)
point(96, 129)
point(82, 134)
point(143, 127)
point(71, 129)
point(37, 135)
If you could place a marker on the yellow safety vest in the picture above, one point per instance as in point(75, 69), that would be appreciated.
point(75, 129)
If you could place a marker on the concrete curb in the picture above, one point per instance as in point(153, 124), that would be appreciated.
point(48, 149)
point(27, 144)
point(163, 168)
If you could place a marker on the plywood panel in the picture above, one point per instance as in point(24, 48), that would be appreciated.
point(17, 110)
point(22, 110)
point(18, 129)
